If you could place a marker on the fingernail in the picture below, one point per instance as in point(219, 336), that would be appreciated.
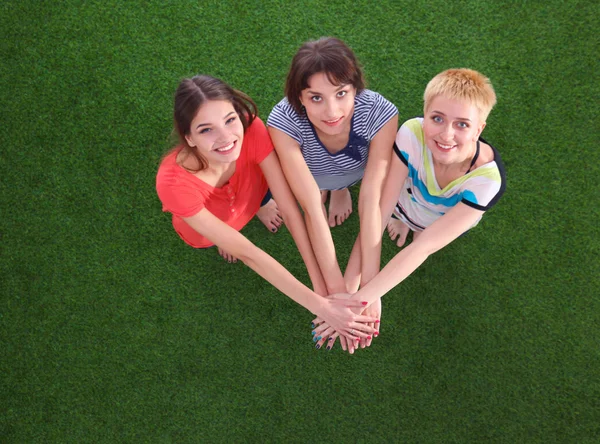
point(315, 339)
point(328, 347)
point(368, 337)
point(312, 325)
point(330, 338)
point(319, 338)
point(376, 334)
point(364, 302)
point(314, 333)
point(377, 321)
point(318, 346)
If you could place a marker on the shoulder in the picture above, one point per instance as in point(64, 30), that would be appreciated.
point(168, 164)
point(283, 111)
point(257, 141)
point(410, 140)
point(256, 129)
point(370, 99)
point(489, 155)
point(412, 127)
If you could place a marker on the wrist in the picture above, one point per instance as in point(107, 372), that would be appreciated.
point(316, 305)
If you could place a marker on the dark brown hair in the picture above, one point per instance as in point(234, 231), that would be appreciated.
point(192, 93)
point(328, 55)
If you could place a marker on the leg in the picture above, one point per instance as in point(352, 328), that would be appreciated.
point(340, 207)
point(323, 200)
point(228, 257)
point(268, 213)
point(397, 228)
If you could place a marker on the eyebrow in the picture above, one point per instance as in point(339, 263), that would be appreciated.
point(208, 124)
point(337, 89)
point(458, 118)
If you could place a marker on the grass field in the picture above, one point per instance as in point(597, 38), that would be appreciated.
point(113, 330)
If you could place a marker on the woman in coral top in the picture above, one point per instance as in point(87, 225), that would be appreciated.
point(214, 182)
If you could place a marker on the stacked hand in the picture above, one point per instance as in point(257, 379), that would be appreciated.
point(358, 332)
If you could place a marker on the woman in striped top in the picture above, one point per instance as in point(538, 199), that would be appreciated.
point(329, 133)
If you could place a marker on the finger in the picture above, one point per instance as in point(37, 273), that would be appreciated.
point(324, 337)
point(363, 320)
point(357, 335)
point(315, 322)
point(377, 328)
point(331, 340)
point(358, 329)
point(368, 342)
point(351, 345)
point(318, 331)
point(343, 343)
point(350, 303)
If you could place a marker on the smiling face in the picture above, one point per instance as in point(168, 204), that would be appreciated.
point(451, 129)
point(329, 107)
point(217, 133)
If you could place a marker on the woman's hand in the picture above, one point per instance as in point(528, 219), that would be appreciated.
point(350, 327)
point(373, 310)
point(340, 316)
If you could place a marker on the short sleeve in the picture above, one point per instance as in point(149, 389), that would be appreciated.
point(284, 118)
point(258, 140)
point(486, 187)
point(382, 110)
point(177, 194)
point(406, 145)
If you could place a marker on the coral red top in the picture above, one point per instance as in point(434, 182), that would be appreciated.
point(183, 194)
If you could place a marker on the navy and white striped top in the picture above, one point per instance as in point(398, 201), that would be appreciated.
point(346, 167)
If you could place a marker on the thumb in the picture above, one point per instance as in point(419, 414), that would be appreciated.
point(351, 303)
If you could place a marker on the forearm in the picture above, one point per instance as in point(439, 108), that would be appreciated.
point(293, 220)
point(370, 238)
point(273, 272)
point(322, 243)
point(398, 269)
point(352, 274)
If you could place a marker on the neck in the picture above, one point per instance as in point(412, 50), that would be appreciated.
point(219, 169)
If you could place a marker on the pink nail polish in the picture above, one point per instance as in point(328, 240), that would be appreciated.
point(364, 302)
point(376, 334)
point(368, 337)
point(377, 321)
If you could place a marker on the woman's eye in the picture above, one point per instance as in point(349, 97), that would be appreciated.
point(462, 125)
point(204, 130)
point(316, 98)
point(437, 119)
point(342, 93)
point(231, 119)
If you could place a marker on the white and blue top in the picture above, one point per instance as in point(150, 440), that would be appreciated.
point(422, 201)
point(346, 167)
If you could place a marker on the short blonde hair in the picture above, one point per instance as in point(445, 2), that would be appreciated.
point(465, 85)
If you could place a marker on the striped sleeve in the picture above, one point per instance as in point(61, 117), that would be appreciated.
point(382, 110)
point(284, 118)
point(487, 186)
point(405, 145)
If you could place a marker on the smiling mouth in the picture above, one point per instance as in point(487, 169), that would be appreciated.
point(444, 147)
point(227, 148)
point(333, 122)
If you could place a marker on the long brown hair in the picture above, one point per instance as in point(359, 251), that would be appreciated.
point(328, 55)
point(192, 93)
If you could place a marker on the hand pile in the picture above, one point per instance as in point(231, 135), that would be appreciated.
point(355, 329)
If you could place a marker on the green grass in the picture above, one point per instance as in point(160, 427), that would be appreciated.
point(113, 330)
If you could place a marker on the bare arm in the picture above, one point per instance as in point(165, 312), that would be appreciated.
point(293, 219)
point(439, 234)
point(307, 193)
point(232, 241)
point(364, 259)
